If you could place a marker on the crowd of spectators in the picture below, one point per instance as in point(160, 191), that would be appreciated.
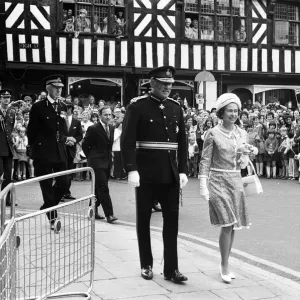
point(273, 129)
point(88, 114)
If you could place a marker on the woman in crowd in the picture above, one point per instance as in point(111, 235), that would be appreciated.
point(21, 143)
point(260, 144)
point(224, 154)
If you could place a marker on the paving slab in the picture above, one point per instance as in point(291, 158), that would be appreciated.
point(123, 288)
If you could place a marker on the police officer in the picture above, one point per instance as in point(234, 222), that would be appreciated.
point(154, 148)
point(7, 121)
point(47, 139)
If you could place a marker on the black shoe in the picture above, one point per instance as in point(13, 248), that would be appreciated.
point(157, 207)
point(147, 273)
point(176, 277)
point(99, 217)
point(69, 197)
point(111, 219)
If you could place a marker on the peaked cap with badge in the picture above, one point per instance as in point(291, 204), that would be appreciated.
point(5, 93)
point(55, 80)
point(163, 74)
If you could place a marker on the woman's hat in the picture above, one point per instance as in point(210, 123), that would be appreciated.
point(226, 99)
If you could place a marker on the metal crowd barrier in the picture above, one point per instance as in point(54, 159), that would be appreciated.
point(49, 260)
point(8, 246)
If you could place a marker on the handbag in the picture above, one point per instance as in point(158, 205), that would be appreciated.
point(252, 185)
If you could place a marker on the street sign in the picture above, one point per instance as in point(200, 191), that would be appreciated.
point(28, 46)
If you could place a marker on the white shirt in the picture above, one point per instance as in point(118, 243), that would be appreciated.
point(86, 125)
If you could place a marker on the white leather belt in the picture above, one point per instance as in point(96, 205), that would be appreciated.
point(156, 145)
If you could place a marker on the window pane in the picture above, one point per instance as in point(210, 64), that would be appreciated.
point(191, 6)
point(281, 32)
point(101, 1)
point(281, 12)
point(294, 34)
point(207, 26)
point(101, 17)
point(223, 7)
point(207, 6)
point(84, 1)
point(293, 13)
point(223, 29)
point(239, 29)
point(238, 8)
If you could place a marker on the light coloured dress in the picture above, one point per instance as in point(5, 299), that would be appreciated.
point(220, 163)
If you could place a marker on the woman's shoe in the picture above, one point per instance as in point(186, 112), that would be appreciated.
point(232, 276)
point(225, 278)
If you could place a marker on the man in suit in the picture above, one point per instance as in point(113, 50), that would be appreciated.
point(97, 147)
point(47, 138)
point(154, 148)
point(74, 132)
point(7, 121)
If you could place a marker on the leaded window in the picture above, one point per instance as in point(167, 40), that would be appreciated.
point(287, 24)
point(219, 20)
point(93, 16)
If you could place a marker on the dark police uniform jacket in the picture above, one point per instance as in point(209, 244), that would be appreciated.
point(149, 119)
point(47, 132)
point(7, 123)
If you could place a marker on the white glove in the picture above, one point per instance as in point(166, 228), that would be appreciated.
point(253, 149)
point(244, 161)
point(183, 180)
point(134, 178)
point(203, 188)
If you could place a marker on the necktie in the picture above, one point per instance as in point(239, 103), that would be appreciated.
point(55, 105)
point(107, 131)
point(68, 123)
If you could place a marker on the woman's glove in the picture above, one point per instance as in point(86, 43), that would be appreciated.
point(203, 188)
point(244, 161)
point(134, 178)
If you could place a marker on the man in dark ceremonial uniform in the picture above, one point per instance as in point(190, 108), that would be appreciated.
point(47, 138)
point(153, 144)
point(7, 122)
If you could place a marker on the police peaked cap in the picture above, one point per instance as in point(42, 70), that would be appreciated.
point(5, 93)
point(163, 74)
point(56, 80)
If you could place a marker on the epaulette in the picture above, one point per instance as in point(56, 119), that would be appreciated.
point(171, 99)
point(133, 100)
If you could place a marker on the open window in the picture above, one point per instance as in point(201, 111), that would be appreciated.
point(216, 20)
point(93, 16)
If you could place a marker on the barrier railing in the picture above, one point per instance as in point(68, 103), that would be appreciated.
point(48, 259)
point(8, 248)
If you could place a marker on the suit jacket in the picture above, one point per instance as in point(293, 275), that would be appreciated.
point(74, 131)
point(44, 124)
point(7, 123)
point(97, 147)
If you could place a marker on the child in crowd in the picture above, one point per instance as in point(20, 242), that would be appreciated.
point(292, 152)
point(193, 152)
point(282, 149)
point(94, 118)
point(260, 144)
point(80, 160)
point(21, 143)
point(279, 164)
point(251, 141)
point(271, 146)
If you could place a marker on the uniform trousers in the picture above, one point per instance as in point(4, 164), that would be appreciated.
point(168, 197)
point(102, 191)
point(52, 193)
point(70, 166)
point(5, 170)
